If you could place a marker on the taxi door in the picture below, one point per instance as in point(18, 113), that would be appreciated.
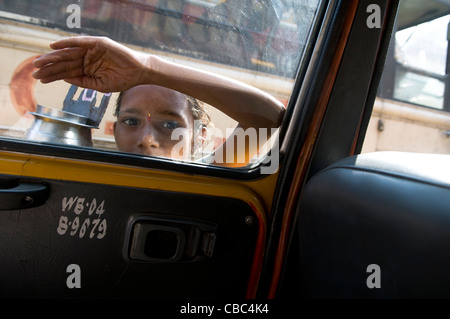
point(83, 222)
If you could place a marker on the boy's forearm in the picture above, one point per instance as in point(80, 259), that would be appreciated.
point(246, 104)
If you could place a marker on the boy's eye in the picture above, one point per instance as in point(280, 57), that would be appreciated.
point(171, 125)
point(130, 122)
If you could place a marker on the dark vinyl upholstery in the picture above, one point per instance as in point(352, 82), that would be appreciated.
point(391, 209)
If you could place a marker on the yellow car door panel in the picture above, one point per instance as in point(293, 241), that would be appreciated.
point(127, 242)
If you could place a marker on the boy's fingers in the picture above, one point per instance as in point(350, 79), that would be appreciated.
point(66, 54)
point(81, 42)
point(59, 71)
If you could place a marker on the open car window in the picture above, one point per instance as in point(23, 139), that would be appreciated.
point(257, 42)
point(411, 112)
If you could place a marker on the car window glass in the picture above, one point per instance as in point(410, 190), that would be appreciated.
point(256, 42)
point(411, 110)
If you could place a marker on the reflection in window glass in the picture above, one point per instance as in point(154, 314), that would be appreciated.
point(421, 54)
point(257, 42)
point(424, 46)
point(419, 89)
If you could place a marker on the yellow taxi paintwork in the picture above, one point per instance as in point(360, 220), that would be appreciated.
point(258, 192)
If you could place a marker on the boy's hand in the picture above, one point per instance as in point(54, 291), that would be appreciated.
point(96, 63)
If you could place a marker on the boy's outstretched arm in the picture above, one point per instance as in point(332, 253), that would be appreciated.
point(104, 65)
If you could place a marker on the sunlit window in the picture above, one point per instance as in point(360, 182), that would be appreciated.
point(421, 56)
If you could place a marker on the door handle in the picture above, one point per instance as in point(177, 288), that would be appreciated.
point(169, 239)
point(23, 195)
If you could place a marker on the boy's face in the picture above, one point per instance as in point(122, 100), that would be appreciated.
point(147, 117)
